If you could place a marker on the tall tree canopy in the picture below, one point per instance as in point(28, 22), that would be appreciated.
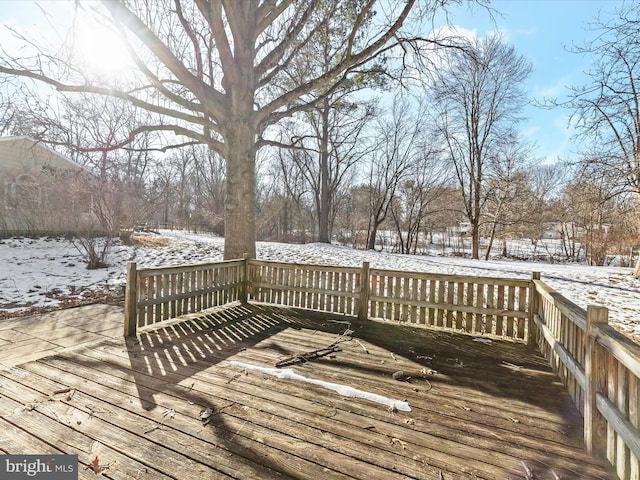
point(221, 72)
point(607, 108)
point(478, 98)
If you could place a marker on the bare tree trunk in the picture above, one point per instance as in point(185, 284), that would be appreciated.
point(324, 207)
point(475, 242)
point(371, 237)
point(240, 225)
point(491, 239)
point(240, 194)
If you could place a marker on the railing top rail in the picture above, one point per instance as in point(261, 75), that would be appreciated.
point(456, 278)
point(186, 267)
point(332, 268)
point(625, 350)
point(401, 273)
point(575, 313)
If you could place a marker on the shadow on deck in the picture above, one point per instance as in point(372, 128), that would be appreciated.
point(478, 410)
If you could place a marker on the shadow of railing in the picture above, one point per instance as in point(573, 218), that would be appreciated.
point(169, 360)
point(181, 347)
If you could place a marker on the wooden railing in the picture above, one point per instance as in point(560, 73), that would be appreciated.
point(477, 305)
point(600, 368)
point(495, 307)
point(486, 306)
point(312, 287)
point(157, 294)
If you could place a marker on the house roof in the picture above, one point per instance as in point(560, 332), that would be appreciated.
point(26, 153)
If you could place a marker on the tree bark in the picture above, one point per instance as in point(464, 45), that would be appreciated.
point(475, 242)
point(371, 238)
point(325, 195)
point(240, 132)
point(240, 195)
point(492, 237)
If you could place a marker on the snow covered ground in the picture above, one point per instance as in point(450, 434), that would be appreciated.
point(49, 272)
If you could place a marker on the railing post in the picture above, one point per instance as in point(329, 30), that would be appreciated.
point(363, 305)
point(130, 301)
point(595, 371)
point(244, 291)
point(532, 338)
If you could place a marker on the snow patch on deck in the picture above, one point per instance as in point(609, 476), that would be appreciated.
point(344, 390)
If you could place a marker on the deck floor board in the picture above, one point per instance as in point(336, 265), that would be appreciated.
point(478, 410)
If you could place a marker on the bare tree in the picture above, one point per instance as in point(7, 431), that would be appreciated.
point(327, 136)
point(544, 185)
point(507, 192)
point(418, 197)
point(285, 204)
point(208, 183)
point(189, 187)
point(177, 182)
point(293, 194)
point(328, 144)
point(607, 109)
point(594, 215)
point(6, 113)
point(477, 98)
point(218, 72)
point(397, 150)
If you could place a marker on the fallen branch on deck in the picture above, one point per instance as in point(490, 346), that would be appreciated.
point(313, 354)
point(305, 357)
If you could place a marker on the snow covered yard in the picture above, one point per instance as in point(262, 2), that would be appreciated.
point(50, 272)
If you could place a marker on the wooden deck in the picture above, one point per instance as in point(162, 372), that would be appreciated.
point(478, 410)
point(23, 339)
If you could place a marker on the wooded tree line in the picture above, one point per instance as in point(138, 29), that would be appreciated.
point(389, 188)
point(331, 121)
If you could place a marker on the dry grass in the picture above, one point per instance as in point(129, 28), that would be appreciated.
point(150, 241)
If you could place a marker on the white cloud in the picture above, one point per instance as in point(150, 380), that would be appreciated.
point(555, 89)
point(530, 132)
point(511, 35)
point(455, 31)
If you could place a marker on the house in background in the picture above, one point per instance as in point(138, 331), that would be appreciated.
point(41, 191)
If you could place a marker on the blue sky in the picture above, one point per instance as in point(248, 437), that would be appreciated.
point(542, 31)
